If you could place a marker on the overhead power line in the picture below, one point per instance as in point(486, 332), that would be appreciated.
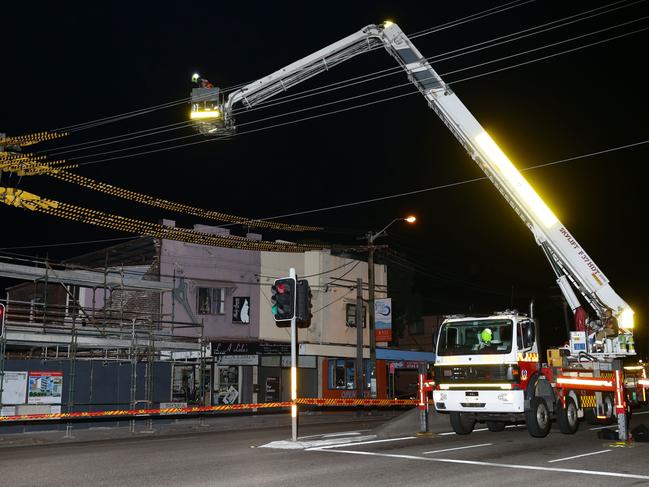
point(146, 110)
point(381, 73)
point(67, 244)
point(157, 202)
point(451, 185)
point(163, 149)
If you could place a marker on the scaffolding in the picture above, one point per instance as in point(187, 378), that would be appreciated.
point(121, 321)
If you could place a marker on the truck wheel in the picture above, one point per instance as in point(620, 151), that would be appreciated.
point(461, 423)
point(538, 418)
point(567, 417)
point(495, 426)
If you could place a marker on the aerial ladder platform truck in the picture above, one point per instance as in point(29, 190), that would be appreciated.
point(488, 369)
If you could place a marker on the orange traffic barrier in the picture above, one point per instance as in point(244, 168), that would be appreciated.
point(144, 412)
point(356, 402)
point(209, 409)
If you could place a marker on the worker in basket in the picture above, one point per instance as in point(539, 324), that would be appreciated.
point(202, 82)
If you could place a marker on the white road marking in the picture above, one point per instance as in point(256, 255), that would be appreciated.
point(458, 448)
point(602, 428)
point(497, 465)
point(303, 445)
point(329, 435)
point(641, 412)
point(578, 456)
point(332, 435)
point(361, 443)
point(453, 432)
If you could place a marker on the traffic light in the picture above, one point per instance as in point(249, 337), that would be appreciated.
point(303, 305)
point(283, 301)
point(2, 317)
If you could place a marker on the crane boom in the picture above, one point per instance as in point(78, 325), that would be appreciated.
point(573, 267)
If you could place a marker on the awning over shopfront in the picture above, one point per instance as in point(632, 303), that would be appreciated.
point(405, 355)
point(349, 351)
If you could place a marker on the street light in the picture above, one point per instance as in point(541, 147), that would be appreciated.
point(371, 237)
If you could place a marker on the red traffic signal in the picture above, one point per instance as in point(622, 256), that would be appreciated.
point(283, 300)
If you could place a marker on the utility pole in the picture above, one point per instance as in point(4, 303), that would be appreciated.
point(370, 278)
point(360, 315)
point(370, 305)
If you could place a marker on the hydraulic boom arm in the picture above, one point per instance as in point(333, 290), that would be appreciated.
point(570, 262)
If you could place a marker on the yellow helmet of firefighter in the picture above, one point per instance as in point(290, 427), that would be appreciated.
point(486, 336)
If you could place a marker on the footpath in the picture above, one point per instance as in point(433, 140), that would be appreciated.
point(188, 426)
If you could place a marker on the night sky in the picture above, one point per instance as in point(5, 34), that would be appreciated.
point(66, 64)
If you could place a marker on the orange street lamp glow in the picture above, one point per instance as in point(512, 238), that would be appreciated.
point(411, 219)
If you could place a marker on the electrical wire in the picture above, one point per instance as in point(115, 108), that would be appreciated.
point(570, 50)
point(396, 70)
point(406, 84)
point(332, 302)
point(146, 110)
point(470, 49)
point(451, 185)
point(355, 106)
point(65, 244)
point(351, 261)
point(470, 18)
point(334, 279)
point(433, 188)
point(122, 137)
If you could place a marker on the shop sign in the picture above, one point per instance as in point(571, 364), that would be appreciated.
point(404, 364)
point(271, 348)
point(383, 319)
point(249, 348)
point(234, 348)
point(237, 359)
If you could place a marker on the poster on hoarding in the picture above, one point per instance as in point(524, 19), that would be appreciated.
point(45, 388)
point(14, 388)
point(383, 319)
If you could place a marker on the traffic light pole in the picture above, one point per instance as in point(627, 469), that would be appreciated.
point(293, 368)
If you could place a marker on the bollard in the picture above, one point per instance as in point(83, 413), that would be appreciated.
point(423, 402)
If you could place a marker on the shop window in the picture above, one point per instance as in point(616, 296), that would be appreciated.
point(211, 301)
point(342, 373)
point(416, 327)
point(350, 318)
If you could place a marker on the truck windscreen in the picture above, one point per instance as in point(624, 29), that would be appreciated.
point(479, 337)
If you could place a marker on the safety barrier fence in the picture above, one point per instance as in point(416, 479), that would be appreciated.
point(121, 413)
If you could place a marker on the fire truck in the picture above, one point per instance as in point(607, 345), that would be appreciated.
point(488, 369)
